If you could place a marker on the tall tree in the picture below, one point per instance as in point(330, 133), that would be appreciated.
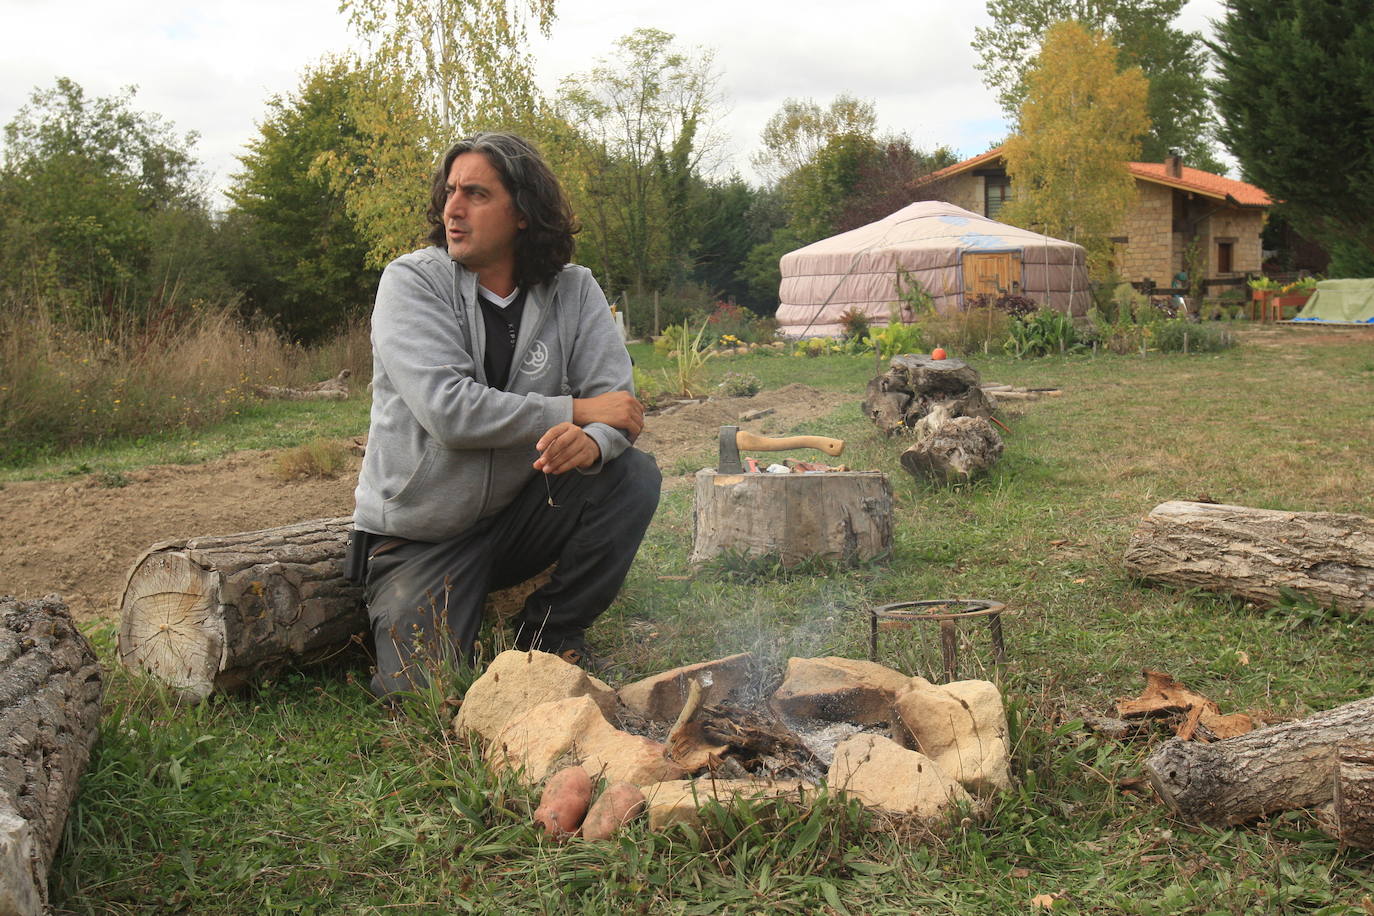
point(1080, 124)
point(646, 119)
point(468, 55)
point(801, 128)
point(1296, 97)
point(306, 253)
point(1172, 60)
point(87, 188)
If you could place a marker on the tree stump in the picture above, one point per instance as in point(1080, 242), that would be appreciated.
point(913, 385)
point(833, 515)
point(214, 613)
point(1256, 553)
point(1291, 765)
point(49, 715)
point(1353, 795)
point(951, 448)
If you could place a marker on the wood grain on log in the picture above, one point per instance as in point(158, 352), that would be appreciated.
point(1291, 765)
point(1254, 553)
point(1353, 794)
point(836, 515)
point(49, 715)
point(214, 613)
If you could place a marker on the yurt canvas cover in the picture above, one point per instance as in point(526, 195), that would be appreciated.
point(948, 250)
point(1340, 302)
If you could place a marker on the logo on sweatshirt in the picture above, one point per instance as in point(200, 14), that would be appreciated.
point(536, 360)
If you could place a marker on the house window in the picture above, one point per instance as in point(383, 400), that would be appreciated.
point(996, 192)
point(1225, 250)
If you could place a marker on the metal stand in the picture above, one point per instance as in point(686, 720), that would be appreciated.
point(905, 613)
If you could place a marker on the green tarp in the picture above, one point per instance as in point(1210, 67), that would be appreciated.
point(1340, 302)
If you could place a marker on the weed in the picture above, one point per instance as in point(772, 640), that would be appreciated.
point(739, 385)
point(111, 479)
point(320, 458)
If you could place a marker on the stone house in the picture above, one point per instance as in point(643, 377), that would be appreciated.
point(1176, 207)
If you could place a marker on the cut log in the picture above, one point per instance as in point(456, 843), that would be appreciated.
point(844, 516)
point(1291, 765)
point(1353, 795)
point(951, 448)
point(49, 715)
point(214, 613)
point(1257, 553)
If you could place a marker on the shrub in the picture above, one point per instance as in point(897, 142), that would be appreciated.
point(739, 385)
point(684, 376)
point(915, 301)
point(855, 324)
point(726, 318)
point(319, 458)
point(1168, 337)
point(897, 338)
point(1041, 333)
point(977, 330)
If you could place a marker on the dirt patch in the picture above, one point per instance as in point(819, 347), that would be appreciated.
point(78, 537)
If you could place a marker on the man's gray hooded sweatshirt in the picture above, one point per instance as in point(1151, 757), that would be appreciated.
point(445, 449)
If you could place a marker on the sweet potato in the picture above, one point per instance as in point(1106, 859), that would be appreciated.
point(615, 808)
point(564, 802)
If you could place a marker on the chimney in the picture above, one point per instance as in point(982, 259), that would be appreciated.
point(1173, 165)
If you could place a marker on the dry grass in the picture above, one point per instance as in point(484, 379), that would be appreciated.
point(69, 380)
point(320, 458)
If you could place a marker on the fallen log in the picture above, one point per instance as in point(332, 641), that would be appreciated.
point(1257, 554)
point(1353, 795)
point(212, 614)
point(334, 389)
point(49, 715)
point(1290, 765)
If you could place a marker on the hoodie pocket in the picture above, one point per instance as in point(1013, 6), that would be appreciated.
point(415, 483)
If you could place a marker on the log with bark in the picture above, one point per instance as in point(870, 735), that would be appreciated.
point(1353, 795)
point(1258, 554)
point(49, 715)
point(1290, 765)
point(900, 397)
point(214, 613)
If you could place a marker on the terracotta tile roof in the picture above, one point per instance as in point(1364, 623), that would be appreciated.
point(1239, 193)
point(958, 167)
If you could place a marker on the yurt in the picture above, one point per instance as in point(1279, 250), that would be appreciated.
point(950, 251)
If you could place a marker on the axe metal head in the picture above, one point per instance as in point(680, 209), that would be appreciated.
point(729, 451)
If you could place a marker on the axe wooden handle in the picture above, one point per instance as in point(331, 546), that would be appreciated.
point(747, 440)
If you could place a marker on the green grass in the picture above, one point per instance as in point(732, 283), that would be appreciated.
point(301, 796)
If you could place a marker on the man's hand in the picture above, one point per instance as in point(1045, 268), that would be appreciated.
point(565, 447)
point(619, 409)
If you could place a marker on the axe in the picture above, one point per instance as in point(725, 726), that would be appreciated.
point(732, 439)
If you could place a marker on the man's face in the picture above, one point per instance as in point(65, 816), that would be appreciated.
point(480, 221)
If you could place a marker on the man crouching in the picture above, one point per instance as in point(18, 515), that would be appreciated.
point(503, 413)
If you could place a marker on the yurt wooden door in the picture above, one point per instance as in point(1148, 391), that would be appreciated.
point(993, 274)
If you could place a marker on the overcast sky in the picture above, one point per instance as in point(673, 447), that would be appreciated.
point(210, 66)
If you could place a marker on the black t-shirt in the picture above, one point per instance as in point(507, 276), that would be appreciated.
point(503, 327)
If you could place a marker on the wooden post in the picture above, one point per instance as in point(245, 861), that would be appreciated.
point(656, 324)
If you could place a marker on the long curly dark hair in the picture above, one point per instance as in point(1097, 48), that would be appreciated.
point(546, 243)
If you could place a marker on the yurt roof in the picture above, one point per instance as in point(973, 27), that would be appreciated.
point(927, 224)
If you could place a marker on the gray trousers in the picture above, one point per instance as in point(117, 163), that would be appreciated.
point(425, 599)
